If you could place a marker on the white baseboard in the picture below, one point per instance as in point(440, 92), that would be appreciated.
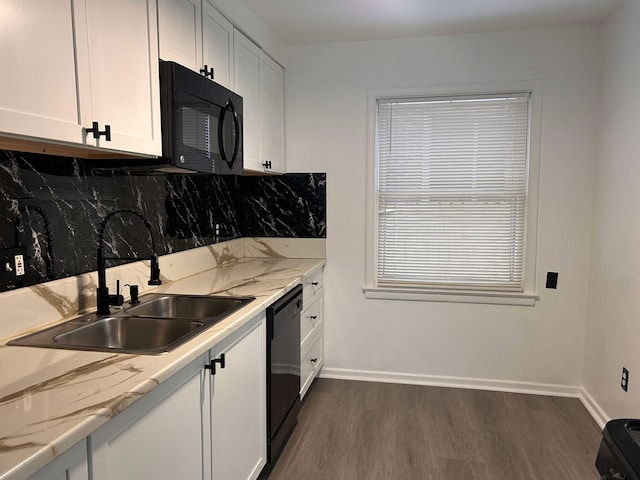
point(454, 382)
point(593, 408)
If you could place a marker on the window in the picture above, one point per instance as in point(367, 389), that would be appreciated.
point(452, 194)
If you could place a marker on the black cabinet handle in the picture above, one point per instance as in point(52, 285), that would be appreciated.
point(314, 360)
point(313, 317)
point(267, 165)
point(315, 284)
point(212, 365)
point(95, 130)
point(207, 72)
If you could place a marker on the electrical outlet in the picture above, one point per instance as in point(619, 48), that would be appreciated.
point(13, 266)
point(624, 382)
point(19, 263)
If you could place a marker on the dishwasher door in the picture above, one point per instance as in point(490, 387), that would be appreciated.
point(283, 375)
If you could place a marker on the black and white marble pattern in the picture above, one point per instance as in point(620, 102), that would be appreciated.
point(54, 206)
point(291, 205)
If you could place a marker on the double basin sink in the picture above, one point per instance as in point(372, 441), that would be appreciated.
point(158, 324)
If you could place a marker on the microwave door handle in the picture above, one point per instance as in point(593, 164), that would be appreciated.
point(236, 122)
point(221, 133)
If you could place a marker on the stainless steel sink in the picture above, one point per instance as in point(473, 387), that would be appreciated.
point(185, 306)
point(158, 324)
point(130, 334)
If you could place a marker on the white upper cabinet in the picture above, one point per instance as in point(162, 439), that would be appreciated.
point(272, 114)
point(67, 64)
point(259, 80)
point(217, 44)
point(194, 34)
point(247, 74)
point(38, 87)
point(123, 70)
point(180, 32)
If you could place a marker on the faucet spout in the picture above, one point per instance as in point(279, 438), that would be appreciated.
point(103, 298)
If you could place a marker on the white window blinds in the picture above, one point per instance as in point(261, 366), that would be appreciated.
point(452, 191)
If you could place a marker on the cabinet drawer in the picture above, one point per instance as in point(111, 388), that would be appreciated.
point(311, 364)
point(310, 318)
point(311, 285)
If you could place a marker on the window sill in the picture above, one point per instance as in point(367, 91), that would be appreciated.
point(495, 298)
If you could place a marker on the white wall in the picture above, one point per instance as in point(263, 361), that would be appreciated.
point(326, 88)
point(613, 326)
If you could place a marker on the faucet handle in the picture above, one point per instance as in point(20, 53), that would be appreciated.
point(154, 278)
point(116, 299)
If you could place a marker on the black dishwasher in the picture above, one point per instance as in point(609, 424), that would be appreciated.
point(283, 373)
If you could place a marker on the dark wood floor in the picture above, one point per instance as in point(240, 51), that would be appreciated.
point(374, 431)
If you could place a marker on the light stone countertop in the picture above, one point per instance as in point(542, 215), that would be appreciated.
point(51, 399)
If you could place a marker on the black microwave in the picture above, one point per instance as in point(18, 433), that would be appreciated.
point(201, 122)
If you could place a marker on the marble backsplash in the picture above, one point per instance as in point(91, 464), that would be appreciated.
point(54, 206)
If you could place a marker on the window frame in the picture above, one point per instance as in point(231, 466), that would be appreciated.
point(528, 296)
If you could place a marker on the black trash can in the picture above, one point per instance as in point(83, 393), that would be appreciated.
point(619, 454)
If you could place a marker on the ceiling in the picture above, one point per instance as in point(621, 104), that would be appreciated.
point(300, 22)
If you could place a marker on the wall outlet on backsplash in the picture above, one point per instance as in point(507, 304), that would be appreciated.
point(13, 267)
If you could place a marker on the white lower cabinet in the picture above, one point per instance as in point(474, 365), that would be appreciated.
point(71, 465)
point(195, 425)
point(160, 436)
point(311, 331)
point(238, 405)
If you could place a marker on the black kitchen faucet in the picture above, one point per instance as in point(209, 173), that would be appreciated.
point(103, 298)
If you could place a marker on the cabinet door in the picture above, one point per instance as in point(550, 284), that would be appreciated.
point(159, 437)
point(217, 44)
point(38, 91)
point(247, 58)
point(238, 407)
point(71, 465)
point(123, 74)
point(272, 114)
point(180, 30)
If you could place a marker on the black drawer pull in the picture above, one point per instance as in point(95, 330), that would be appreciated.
point(212, 365)
point(267, 165)
point(314, 360)
point(313, 317)
point(314, 284)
